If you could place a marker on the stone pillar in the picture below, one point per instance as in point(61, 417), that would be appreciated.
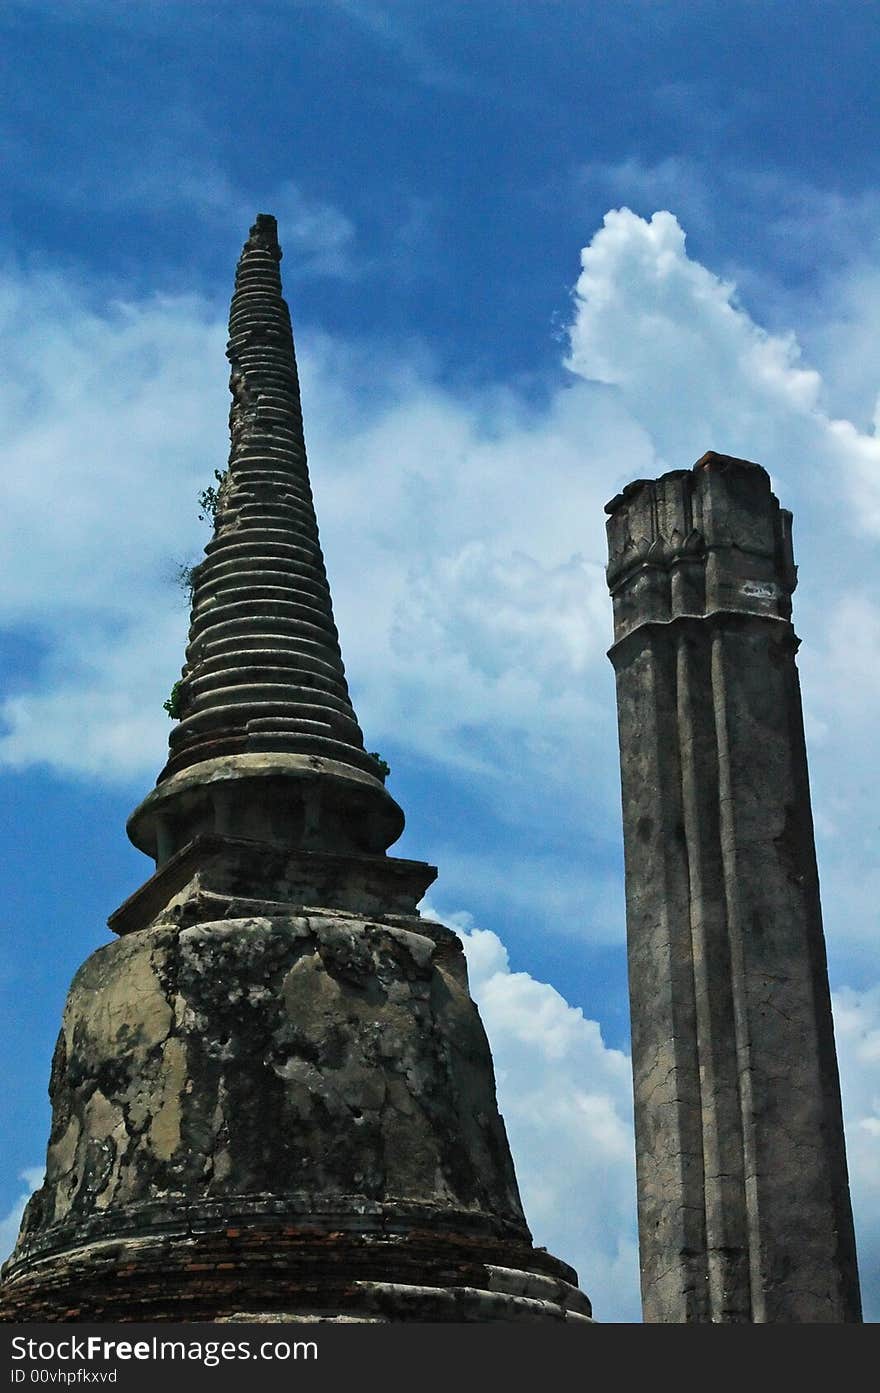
point(744, 1209)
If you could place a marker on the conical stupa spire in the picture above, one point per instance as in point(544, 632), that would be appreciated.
point(264, 671)
point(263, 702)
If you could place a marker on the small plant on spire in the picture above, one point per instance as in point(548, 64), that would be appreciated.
point(384, 766)
point(209, 500)
point(185, 576)
point(174, 703)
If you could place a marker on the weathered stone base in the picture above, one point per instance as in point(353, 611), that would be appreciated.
point(278, 1111)
point(285, 1272)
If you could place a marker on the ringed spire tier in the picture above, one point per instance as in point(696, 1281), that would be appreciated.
point(263, 689)
point(264, 670)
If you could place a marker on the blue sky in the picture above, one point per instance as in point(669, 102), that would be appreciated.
point(532, 251)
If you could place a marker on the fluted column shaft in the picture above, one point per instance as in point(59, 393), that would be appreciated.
point(744, 1208)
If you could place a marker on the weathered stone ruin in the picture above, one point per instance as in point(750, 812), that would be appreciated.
point(272, 1094)
point(744, 1208)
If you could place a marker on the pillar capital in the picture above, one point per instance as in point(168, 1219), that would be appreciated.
point(699, 541)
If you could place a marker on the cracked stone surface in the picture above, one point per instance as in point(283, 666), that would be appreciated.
point(744, 1208)
point(286, 1057)
point(289, 1112)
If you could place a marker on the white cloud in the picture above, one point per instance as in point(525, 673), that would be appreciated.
point(857, 1031)
point(775, 233)
point(10, 1222)
point(566, 1099)
point(116, 420)
point(482, 532)
point(667, 333)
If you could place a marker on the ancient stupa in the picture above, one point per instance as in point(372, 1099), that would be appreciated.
point(744, 1206)
point(272, 1094)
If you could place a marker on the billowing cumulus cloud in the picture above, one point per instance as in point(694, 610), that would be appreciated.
point(566, 1100)
point(693, 367)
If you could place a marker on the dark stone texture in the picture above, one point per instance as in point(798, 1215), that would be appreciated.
point(305, 1056)
point(744, 1209)
point(293, 1112)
